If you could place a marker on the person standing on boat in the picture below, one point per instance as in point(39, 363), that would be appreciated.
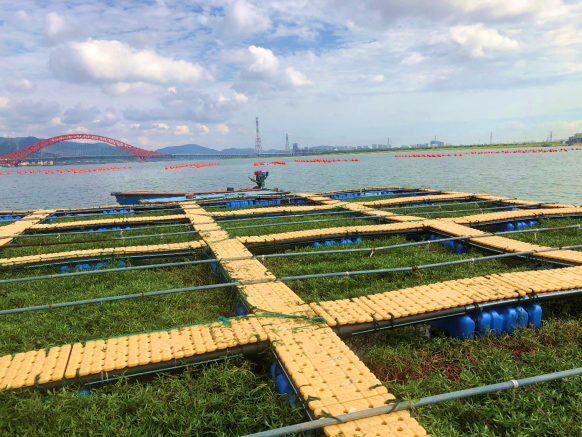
point(259, 178)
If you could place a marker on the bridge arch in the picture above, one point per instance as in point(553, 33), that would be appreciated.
point(20, 155)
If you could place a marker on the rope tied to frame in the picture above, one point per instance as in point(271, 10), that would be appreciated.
point(372, 251)
point(326, 415)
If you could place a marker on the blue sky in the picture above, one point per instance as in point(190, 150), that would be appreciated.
point(338, 72)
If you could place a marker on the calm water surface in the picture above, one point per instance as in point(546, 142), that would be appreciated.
point(540, 177)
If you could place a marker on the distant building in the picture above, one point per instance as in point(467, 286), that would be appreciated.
point(295, 148)
point(436, 143)
point(575, 139)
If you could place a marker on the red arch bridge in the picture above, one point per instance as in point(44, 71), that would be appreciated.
point(20, 155)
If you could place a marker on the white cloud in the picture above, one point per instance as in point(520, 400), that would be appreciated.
point(78, 130)
point(514, 125)
point(566, 35)
point(201, 129)
point(181, 130)
point(379, 78)
point(114, 63)
point(480, 41)
point(222, 129)
point(240, 97)
point(56, 122)
point(21, 15)
point(21, 86)
point(144, 141)
point(263, 61)
point(261, 70)
point(296, 78)
point(4, 101)
point(190, 105)
point(57, 29)
point(241, 17)
point(413, 59)
point(161, 126)
point(503, 8)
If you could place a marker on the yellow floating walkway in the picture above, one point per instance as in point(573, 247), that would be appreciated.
point(344, 231)
point(97, 360)
point(449, 294)
point(99, 253)
point(329, 375)
point(416, 199)
point(113, 221)
point(513, 215)
point(504, 244)
point(20, 226)
point(266, 210)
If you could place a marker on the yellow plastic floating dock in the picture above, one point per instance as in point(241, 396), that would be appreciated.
point(305, 337)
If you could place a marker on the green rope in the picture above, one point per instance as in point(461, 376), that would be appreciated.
point(328, 416)
point(224, 320)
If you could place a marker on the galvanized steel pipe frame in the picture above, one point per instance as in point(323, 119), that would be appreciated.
point(407, 405)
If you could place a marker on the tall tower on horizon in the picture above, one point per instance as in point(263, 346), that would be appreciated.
point(287, 143)
point(258, 146)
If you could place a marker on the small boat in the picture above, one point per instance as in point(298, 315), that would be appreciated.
point(137, 197)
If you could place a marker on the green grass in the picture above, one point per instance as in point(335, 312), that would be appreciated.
point(279, 226)
point(320, 289)
point(39, 329)
point(438, 211)
point(221, 399)
point(414, 362)
point(75, 240)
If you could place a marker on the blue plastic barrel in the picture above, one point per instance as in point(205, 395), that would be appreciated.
point(522, 317)
point(460, 249)
point(496, 322)
point(459, 327)
point(509, 320)
point(535, 315)
point(240, 310)
point(484, 323)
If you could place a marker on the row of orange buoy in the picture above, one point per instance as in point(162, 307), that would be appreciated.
point(67, 170)
point(278, 163)
point(326, 160)
point(177, 167)
point(258, 163)
point(487, 152)
point(424, 155)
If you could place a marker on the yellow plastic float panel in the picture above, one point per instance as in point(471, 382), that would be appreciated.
point(449, 294)
point(97, 357)
point(330, 232)
point(81, 254)
point(350, 190)
point(416, 199)
point(330, 376)
point(502, 243)
point(20, 226)
point(269, 210)
point(511, 215)
point(120, 220)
